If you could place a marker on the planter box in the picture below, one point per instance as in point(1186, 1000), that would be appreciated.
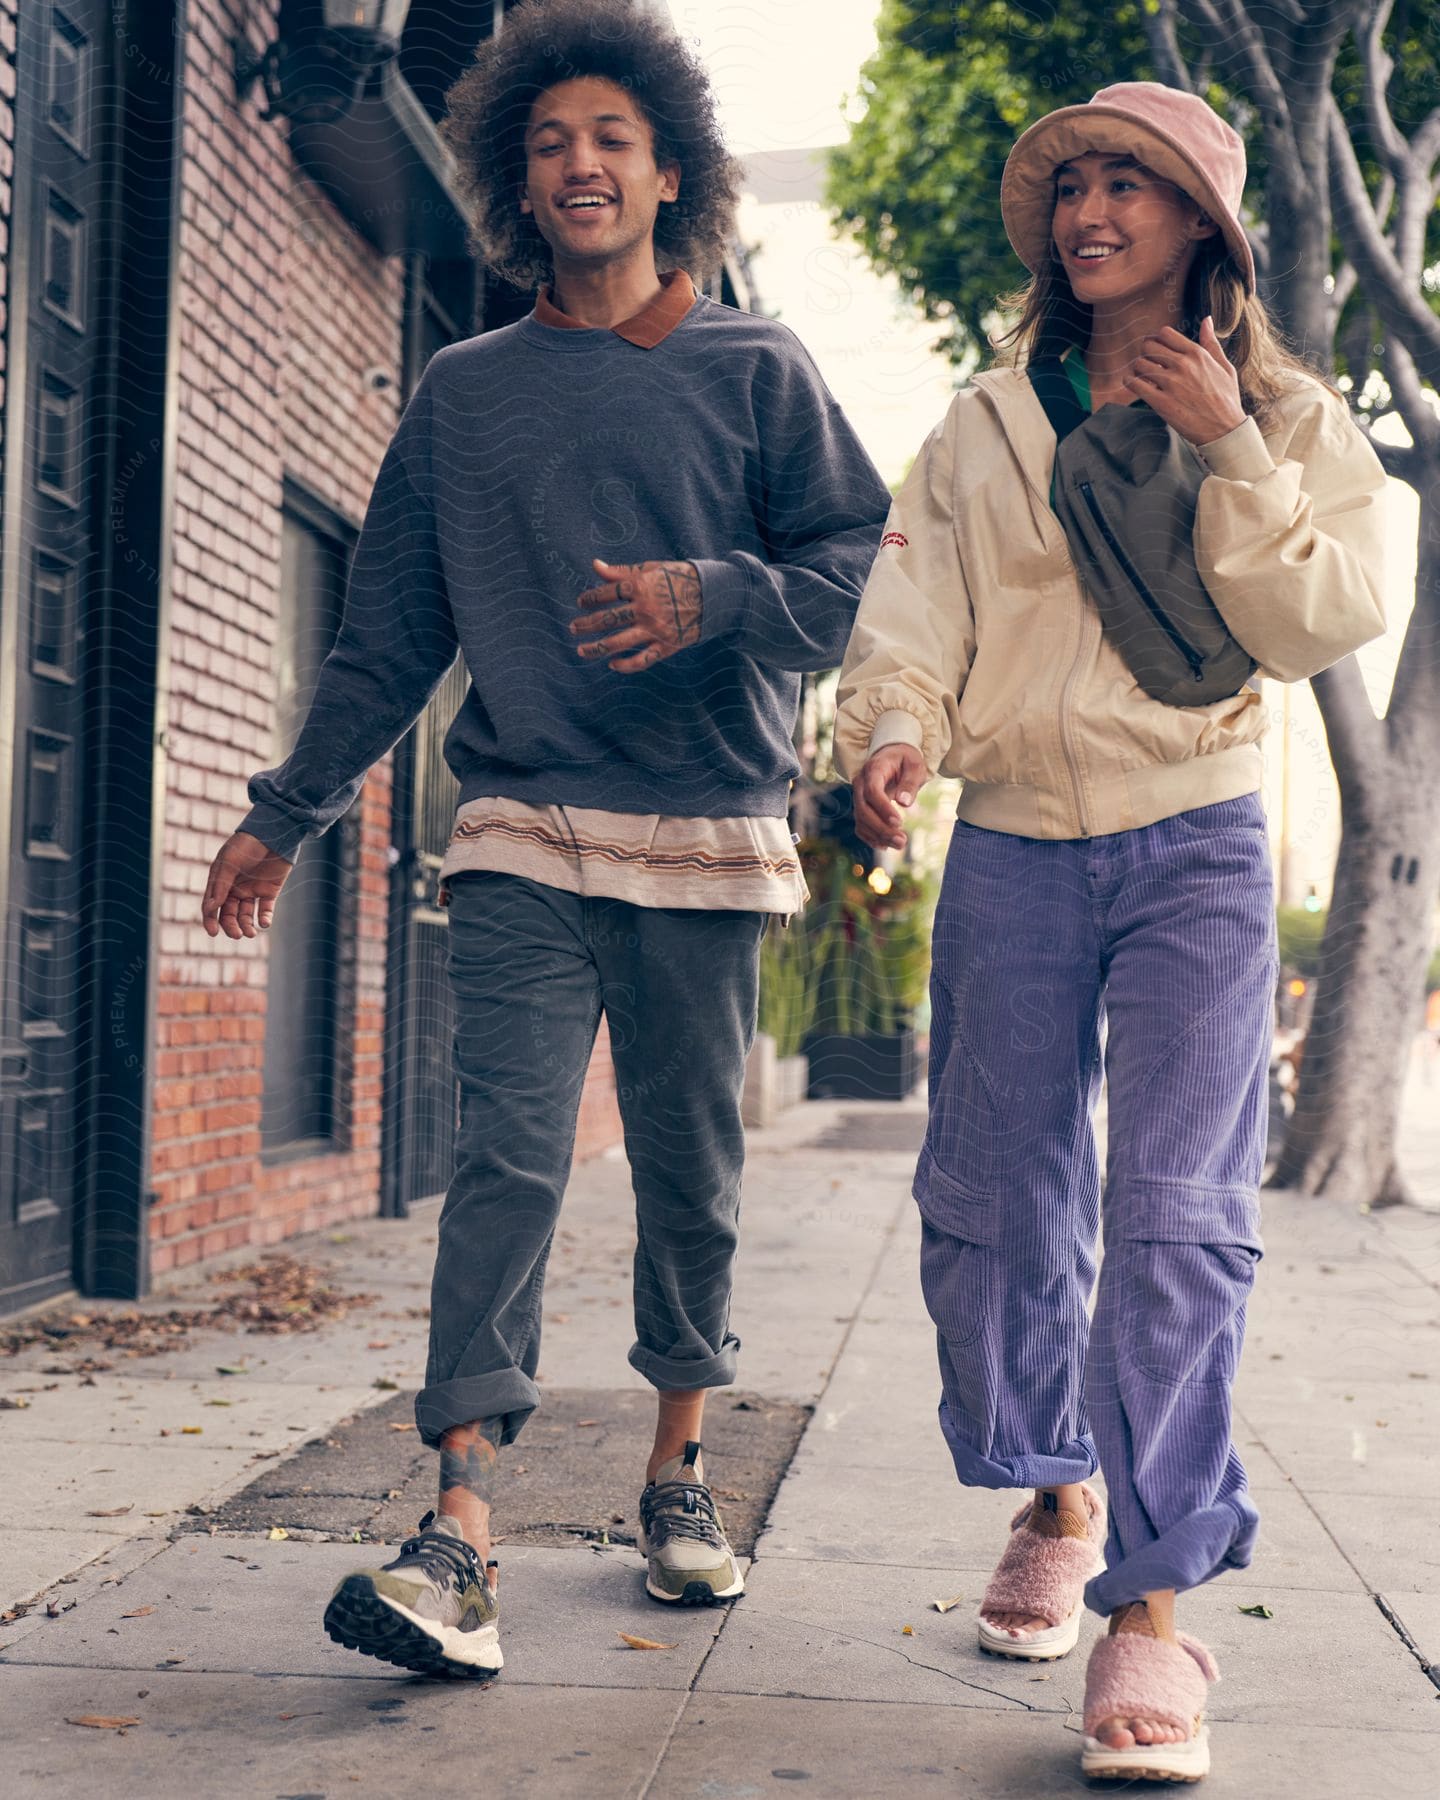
point(863, 1068)
point(773, 1083)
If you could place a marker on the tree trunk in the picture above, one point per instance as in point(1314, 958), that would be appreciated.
point(1369, 996)
point(1299, 260)
point(1370, 990)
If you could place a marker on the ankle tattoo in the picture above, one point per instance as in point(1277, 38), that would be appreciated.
point(469, 1462)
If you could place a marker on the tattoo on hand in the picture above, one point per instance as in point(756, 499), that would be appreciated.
point(661, 600)
point(682, 584)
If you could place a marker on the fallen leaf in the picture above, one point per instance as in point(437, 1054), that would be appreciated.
point(9, 1405)
point(944, 1606)
point(231, 1369)
point(219, 1402)
point(100, 1722)
point(558, 1319)
point(1039, 1677)
point(402, 1425)
point(277, 1531)
point(156, 1515)
point(639, 1643)
point(110, 1512)
point(1256, 1612)
point(581, 1422)
point(907, 1631)
point(140, 1612)
point(385, 1383)
point(374, 1344)
point(191, 1430)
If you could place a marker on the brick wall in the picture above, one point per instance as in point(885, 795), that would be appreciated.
point(283, 306)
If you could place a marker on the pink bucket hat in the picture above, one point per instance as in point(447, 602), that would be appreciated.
point(1174, 133)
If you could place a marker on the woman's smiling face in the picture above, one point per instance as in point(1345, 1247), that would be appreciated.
point(1120, 229)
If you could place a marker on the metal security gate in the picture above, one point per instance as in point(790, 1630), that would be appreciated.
point(419, 1112)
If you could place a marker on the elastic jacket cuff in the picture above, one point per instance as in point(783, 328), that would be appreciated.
point(1240, 455)
point(897, 727)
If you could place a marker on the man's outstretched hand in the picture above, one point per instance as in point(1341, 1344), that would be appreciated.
point(245, 879)
point(890, 780)
point(640, 613)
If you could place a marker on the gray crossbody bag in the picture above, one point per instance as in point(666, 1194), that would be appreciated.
point(1126, 487)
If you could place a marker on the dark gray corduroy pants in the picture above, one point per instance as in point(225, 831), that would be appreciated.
point(532, 968)
point(1166, 934)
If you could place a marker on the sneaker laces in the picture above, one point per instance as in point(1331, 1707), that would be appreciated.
point(682, 1509)
point(440, 1555)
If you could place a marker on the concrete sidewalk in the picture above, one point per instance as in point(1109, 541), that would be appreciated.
point(213, 1642)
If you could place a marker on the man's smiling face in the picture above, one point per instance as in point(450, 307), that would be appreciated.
point(591, 180)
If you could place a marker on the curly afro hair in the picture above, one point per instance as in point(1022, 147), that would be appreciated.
point(545, 42)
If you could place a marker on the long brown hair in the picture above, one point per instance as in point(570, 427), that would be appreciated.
point(1052, 320)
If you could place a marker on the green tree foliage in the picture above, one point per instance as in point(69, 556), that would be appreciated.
point(946, 94)
point(1301, 935)
point(951, 87)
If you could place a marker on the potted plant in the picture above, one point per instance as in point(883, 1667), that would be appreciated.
point(777, 1069)
point(872, 957)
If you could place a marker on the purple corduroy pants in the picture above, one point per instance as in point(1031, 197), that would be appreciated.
point(1161, 942)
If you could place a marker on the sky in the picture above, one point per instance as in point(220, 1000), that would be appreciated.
point(782, 72)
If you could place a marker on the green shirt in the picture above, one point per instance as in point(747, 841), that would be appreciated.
point(1074, 364)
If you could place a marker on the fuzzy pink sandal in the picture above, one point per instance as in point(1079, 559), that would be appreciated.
point(1132, 1676)
point(1044, 1577)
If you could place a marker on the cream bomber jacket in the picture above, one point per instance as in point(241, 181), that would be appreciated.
point(976, 643)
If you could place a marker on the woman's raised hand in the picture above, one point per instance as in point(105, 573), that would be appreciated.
point(1192, 385)
point(891, 779)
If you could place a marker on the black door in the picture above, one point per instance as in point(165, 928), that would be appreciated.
point(53, 550)
point(421, 1100)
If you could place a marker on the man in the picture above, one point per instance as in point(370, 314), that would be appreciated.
point(639, 515)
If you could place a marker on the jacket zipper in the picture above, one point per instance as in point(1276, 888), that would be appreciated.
point(1062, 549)
point(1132, 575)
point(1067, 741)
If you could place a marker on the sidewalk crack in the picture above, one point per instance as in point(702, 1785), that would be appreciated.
point(851, 1637)
point(1398, 1626)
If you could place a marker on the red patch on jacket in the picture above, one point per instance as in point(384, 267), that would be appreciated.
point(897, 538)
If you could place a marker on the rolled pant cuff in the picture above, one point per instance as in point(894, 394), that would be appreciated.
point(680, 1375)
point(1075, 1461)
point(506, 1394)
point(1199, 1548)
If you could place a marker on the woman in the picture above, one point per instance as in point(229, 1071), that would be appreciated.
point(1110, 868)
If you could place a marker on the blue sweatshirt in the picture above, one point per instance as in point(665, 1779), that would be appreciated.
point(522, 454)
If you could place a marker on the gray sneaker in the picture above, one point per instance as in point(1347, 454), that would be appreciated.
point(688, 1561)
point(431, 1610)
